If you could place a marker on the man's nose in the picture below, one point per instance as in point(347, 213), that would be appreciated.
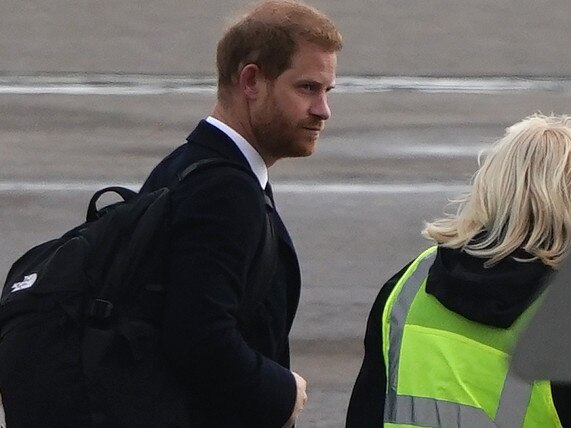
point(320, 108)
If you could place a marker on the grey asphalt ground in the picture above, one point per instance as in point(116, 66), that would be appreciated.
point(399, 155)
point(398, 171)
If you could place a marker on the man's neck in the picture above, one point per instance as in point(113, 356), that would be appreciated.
point(238, 121)
point(250, 153)
point(227, 116)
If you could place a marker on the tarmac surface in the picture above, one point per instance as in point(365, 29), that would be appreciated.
point(355, 208)
point(386, 162)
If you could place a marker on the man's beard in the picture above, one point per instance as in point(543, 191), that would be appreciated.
point(280, 137)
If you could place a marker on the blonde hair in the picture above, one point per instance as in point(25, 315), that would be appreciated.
point(268, 36)
point(520, 197)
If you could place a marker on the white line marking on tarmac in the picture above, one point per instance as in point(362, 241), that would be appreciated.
point(284, 187)
point(369, 188)
point(137, 84)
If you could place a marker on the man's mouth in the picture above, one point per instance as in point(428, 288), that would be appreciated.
point(316, 128)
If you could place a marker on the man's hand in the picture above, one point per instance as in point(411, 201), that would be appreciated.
point(300, 400)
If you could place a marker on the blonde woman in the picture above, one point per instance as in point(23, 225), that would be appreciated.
point(440, 333)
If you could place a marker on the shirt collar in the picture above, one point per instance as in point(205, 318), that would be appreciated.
point(252, 156)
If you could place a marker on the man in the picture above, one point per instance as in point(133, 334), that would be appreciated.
point(275, 67)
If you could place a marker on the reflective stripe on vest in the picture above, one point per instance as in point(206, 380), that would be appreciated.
point(422, 411)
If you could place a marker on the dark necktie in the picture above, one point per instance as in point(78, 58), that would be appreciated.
point(269, 193)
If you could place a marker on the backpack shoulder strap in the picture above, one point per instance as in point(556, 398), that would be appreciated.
point(212, 163)
point(263, 270)
point(265, 265)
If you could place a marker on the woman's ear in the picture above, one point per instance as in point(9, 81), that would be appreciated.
point(250, 81)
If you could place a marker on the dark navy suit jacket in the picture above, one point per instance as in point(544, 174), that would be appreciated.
point(236, 375)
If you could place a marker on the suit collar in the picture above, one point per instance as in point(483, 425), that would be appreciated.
point(214, 138)
point(250, 153)
point(217, 141)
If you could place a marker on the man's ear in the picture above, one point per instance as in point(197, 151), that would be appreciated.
point(251, 81)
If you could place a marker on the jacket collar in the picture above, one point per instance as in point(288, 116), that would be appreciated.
point(214, 139)
point(494, 296)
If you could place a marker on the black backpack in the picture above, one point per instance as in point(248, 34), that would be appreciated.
point(80, 319)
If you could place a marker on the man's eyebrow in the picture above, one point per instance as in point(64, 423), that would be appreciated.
point(309, 82)
point(316, 83)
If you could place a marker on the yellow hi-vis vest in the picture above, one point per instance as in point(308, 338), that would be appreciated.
point(444, 370)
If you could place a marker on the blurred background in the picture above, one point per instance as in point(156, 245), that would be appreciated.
point(97, 92)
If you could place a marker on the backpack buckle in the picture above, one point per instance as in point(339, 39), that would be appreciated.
point(100, 309)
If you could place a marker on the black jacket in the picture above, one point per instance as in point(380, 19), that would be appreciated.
point(237, 374)
point(493, 296)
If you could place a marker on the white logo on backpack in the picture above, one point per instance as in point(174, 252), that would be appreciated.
point(28, 281)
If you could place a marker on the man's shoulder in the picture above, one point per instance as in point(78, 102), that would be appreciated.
point(165, 174)
point(222, 194)
point(228, 178)
point(204, 142)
